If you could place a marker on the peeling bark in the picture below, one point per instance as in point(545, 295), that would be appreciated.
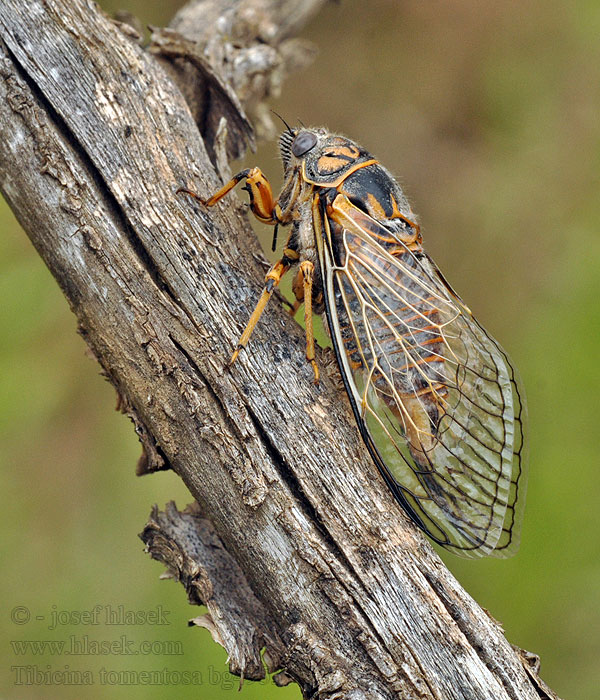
point(294, 545)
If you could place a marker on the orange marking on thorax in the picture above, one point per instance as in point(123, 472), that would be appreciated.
point(375, 208)
point(338, 181)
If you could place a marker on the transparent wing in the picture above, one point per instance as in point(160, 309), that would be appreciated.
point(436, 399)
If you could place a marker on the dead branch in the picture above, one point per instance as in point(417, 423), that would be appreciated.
point(295, 545)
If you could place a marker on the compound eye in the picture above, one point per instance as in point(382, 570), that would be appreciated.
point(303, 143)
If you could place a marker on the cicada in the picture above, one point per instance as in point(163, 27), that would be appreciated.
point(435, 397)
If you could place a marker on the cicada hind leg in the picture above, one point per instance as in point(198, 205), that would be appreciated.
point(267, 210)
point(303, 289)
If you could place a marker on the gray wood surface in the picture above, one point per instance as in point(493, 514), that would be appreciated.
point(295, 544)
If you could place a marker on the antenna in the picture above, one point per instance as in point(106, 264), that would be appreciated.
point(287, 126)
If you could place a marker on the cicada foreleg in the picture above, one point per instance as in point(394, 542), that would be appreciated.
point(265, 208)
point(262, 202)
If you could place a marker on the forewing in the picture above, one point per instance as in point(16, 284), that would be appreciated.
point(437, 401)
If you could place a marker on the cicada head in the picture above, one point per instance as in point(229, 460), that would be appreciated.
point(323, 158)
point(296, 143)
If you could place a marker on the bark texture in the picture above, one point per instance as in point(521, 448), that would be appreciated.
point(294, 544)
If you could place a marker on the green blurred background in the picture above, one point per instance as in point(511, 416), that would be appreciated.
point(488, 113)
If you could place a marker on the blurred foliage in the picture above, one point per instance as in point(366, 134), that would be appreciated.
point(488, 114)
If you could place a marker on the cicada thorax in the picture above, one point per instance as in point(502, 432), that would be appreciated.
point(403, 351)
point(327, 167)
point(335, 162)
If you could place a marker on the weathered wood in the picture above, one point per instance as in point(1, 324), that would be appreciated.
point(347, 597)
point(193, 553)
